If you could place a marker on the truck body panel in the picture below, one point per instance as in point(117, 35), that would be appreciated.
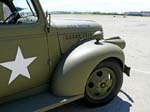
point(75, 67)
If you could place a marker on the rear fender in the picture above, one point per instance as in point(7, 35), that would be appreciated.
point(74, 69)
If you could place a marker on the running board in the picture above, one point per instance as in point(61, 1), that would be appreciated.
point(38, 103)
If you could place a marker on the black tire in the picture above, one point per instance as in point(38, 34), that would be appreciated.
point(117, 81)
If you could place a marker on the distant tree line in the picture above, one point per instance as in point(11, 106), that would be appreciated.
point(104, 13)
point(76, 12)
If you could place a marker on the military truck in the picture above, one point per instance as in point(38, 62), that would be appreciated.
point(46, 63)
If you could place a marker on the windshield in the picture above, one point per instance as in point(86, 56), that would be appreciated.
point(24, 7)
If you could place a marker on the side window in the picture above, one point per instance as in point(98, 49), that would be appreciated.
point(24, 13)
point(5, 11)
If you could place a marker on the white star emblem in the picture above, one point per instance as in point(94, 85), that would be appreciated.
point(19, 66)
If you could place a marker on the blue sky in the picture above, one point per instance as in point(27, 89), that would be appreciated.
point(93, 5)
point(96, 5)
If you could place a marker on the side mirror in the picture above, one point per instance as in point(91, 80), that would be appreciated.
point(48, 17)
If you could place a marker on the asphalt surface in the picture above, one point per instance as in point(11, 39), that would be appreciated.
point(135, 93)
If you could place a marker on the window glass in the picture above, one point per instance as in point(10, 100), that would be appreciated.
point(26, 11)
point(7, 11)
point(4, 11)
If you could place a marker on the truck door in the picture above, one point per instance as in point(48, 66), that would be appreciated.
point(23, 50)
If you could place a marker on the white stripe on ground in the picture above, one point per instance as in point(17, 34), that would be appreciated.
point(141, 71)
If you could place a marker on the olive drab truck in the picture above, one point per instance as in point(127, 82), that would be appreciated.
point(46, 63)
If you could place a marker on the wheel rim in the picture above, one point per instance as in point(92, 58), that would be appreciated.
point(101, 83)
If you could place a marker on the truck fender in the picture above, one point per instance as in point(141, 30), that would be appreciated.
point(74, 69)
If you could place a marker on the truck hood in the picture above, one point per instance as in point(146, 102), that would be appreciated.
point(69, 23)
point(71, 32)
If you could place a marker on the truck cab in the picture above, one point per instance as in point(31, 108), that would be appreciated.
point(46, 63)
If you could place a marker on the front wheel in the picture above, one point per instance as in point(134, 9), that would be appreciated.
point(103, 84)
